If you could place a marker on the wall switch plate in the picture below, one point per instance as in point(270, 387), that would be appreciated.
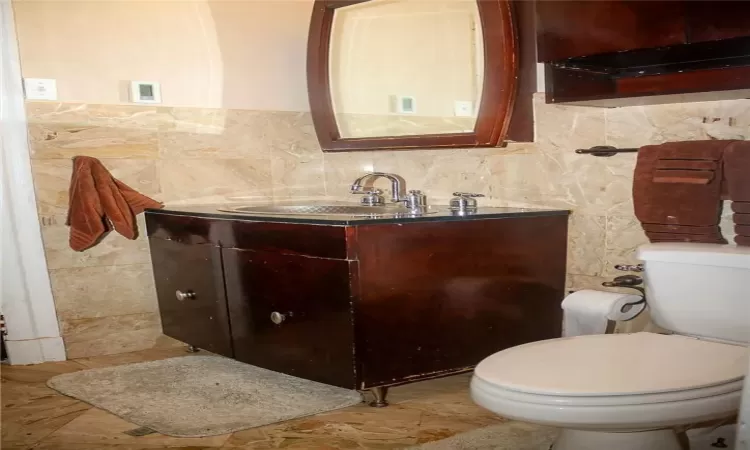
point(463, 109)
point(40, 88)
point(145, 92)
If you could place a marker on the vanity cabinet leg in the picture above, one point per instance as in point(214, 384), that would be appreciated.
point(193, 349)
point(379, 393)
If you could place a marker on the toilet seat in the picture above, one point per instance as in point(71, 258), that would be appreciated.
point(611, 413)
point(615, 365)
point(613, 382)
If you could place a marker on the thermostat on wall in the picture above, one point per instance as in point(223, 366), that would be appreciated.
point(403, 104)
point(406, 104)
point(145, 92)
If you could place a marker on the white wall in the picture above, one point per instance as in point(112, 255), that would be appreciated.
point(246, 54)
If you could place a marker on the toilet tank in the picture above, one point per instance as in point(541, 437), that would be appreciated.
point(699, 289)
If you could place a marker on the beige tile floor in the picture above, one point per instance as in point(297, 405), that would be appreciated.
point(36, 417)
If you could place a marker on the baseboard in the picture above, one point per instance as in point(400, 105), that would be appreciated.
point(35, 351)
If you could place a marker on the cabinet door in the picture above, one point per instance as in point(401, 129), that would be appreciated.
point(310, 334)
point(567, 29)
point(714, 20)
point(190, 288)
point(438, 297)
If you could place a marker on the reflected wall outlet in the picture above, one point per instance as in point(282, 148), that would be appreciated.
point(40, 88)
point(463, 109)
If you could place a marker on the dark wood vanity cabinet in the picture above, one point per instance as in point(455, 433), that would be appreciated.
point(190, 289)
point(360, 305)
point(442, 296)
point(312, 298)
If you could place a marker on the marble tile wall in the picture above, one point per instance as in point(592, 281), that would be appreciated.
point(105, 296)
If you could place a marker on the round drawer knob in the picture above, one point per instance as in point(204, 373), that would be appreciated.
point(182, 296)
point(277, 318)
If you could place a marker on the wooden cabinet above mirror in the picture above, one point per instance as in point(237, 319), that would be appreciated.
point(625, 52)
point(409, 74)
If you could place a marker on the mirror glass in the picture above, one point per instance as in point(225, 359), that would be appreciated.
point(406, 67)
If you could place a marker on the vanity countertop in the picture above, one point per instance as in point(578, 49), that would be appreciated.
point(442, 214)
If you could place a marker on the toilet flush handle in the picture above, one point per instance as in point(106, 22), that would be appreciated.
point(629, 267)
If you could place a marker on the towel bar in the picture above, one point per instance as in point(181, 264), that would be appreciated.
point(605, 150)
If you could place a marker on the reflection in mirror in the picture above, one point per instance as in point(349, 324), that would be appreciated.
point(406, 67)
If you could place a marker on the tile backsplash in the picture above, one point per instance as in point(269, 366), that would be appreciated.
point(105, 296)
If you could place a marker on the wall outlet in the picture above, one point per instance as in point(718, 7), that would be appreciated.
point(40, 88)
point(463, 109)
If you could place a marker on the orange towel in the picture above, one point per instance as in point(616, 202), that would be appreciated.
point(99, 202)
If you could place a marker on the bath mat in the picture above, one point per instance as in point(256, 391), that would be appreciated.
point(505, 436)
point(195, 396)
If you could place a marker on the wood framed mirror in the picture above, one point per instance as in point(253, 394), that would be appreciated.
point(410, 74)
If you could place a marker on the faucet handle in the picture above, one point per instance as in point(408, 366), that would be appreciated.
point(372, 197)
point(415, 200)
point(463, 202)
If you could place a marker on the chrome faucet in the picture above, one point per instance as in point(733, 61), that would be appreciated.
point(398, 184)
point(413, 200)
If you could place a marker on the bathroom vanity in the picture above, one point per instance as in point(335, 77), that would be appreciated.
point(354, 301)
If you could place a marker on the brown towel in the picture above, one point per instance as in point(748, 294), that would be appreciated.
point(737, 187)
point(686, 164)
point(98, 202)
point(737, 171)
point(683, 176)
point(684, 204)
point(681, 229)
point(692, 171)
point(675, 237)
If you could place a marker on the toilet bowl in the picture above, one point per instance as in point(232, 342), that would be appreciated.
point(629, 391)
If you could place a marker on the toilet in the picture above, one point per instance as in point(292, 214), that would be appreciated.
point(631, 391)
